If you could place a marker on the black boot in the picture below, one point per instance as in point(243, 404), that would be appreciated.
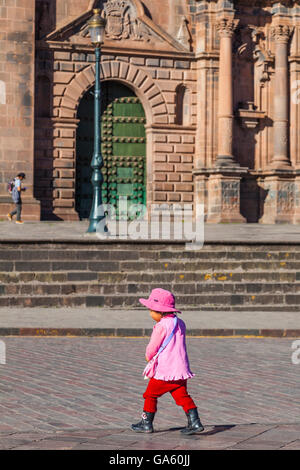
point(194, 424)
point(146, 424)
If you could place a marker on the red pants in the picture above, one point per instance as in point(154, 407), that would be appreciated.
point(157, 388)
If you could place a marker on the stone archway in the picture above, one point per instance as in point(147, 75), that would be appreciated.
point(139, 81)
point(66, 122)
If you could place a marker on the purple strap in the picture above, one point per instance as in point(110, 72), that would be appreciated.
point(166, 341)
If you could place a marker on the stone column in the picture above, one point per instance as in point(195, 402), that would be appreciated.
point(279, 205)
point(225, 27)
point(281, 34)
point(279, 178)
point(218, 187)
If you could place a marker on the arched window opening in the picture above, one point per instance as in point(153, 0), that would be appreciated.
point(183, 106)
point(43, 97)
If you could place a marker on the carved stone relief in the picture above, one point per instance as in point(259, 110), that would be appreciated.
point(226, 26)
point(184, 35)
point(123, 23)
point(250, 46)
point(286, 196)
point(281, 32)
point(261, 56)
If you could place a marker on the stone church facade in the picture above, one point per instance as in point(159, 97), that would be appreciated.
point(201, 106)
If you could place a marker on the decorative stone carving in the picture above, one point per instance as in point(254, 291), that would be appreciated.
point(123, 23)
point(261, 56)
point(226, 26)
point(286, 196)
point(249, 116)
point(184, 35)
point(243, 44)
point(250, 46)
point(281, 32)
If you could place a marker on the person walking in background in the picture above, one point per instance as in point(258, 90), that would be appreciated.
point(15, 190)
point(168, 367)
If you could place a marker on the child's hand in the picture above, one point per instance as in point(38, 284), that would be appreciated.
point(147, 359)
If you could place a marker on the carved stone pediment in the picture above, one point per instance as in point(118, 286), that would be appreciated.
point(123, 22)
point(126, 22)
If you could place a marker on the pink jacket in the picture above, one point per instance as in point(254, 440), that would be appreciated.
point(172, 362)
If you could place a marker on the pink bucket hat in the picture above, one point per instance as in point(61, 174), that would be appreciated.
point(160, 300)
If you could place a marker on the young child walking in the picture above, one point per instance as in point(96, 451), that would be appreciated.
point(168, 367)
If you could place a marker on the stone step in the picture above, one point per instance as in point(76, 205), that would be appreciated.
point(144, 245)
point(220, 276)
point(57, 288)
point(142, 266)
point(286, 302)
point(141, 254)
point(211, 278)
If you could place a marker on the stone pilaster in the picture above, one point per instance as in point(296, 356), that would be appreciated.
point(281, 34)
point(296, 219)
point(218, 186)
point(201, 193)
point(219, 191)
point(279, 179)
point(64, 168)
point(279, 204)
point(225, 27)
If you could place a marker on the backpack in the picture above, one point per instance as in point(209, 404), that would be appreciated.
point(13, 191)
point(10, 186)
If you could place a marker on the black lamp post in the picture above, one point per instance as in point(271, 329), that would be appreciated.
point(97, 30)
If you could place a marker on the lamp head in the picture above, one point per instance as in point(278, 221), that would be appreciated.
point(96, 27)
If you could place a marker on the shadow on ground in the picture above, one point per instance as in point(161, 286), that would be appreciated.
point(212, 430)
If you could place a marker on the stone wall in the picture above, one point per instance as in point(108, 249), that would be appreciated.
point(183, 61)
point(17, 24)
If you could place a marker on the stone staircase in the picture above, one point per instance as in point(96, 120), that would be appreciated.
point(94, 273)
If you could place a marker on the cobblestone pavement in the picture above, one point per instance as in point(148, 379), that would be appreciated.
point(83, 393)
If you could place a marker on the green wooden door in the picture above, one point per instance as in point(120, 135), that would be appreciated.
point(123, 150)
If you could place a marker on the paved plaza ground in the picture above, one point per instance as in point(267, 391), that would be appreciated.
point(83, 393)
point(95, 321)
point(74, 231)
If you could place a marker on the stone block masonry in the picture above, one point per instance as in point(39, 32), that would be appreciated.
point(219, 87)
point(170, 147)
point(17, 24)
point(173, 164)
